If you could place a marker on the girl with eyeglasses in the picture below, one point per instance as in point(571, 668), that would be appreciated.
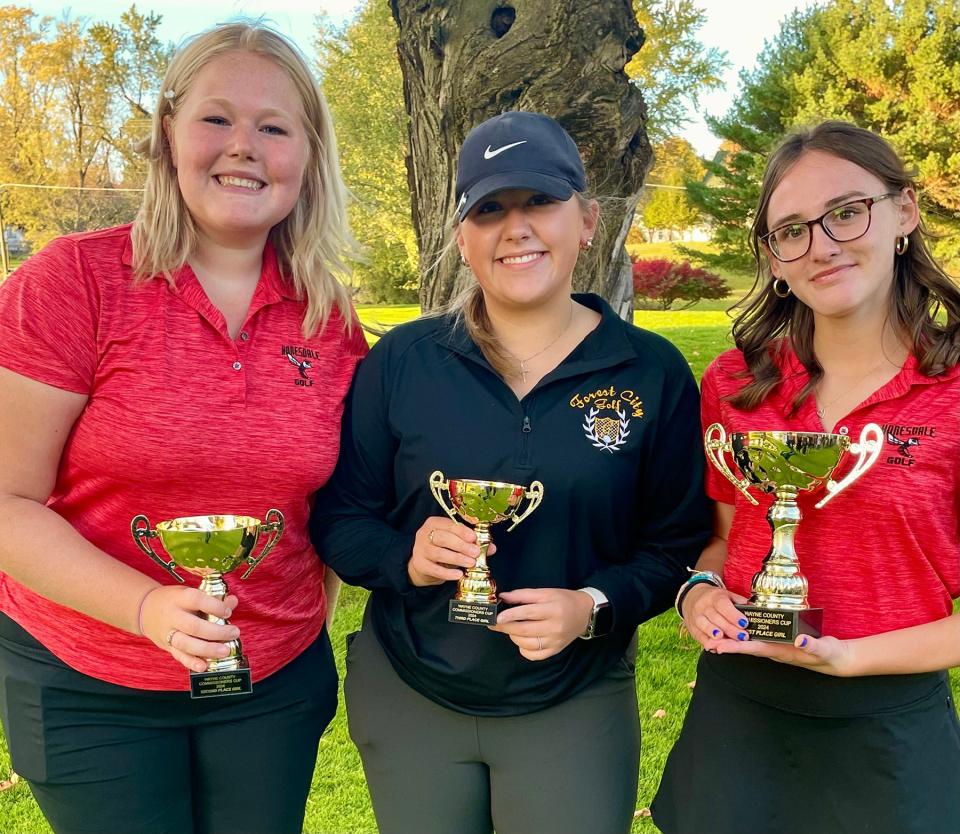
point(851, 322)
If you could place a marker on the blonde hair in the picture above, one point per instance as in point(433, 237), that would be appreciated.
point(469, 307)
point(312, 241)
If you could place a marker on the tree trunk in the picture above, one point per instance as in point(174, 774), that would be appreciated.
point(464, 61)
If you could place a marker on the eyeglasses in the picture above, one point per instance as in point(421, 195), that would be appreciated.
point(842, 224)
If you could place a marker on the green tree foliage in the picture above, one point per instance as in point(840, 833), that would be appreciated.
point(74, 98)
point(133, 61)
point(673, 68)
point(889, 65)
point(362, 83)
point(669, 207)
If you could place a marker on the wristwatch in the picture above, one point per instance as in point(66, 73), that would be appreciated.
point(601, 620)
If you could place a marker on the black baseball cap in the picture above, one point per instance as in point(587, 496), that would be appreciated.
point(517, 150)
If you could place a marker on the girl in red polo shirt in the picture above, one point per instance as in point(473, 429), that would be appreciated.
point(854, 731)
point(192, 363)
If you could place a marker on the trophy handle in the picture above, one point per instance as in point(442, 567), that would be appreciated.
point(534, 495)
point(140, 528)
point(273, 524)
point(867, 450)
point(715, 444)
point(437, 486)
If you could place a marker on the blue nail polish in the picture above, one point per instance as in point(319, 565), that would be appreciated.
point(803, 643)
point(742, 622)
point(742, 635)
point(716, 632)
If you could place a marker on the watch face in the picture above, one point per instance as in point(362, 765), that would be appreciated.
point(603, 622)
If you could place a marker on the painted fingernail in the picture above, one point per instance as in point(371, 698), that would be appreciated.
point(803, 643)
point(716, 632)
point(742, 622)
point(742, 635)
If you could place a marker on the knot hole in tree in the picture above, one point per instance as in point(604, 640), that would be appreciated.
point(502, 19)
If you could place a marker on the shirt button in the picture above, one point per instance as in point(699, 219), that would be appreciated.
point(244, 335)
point(843, 430)
point(237, 366)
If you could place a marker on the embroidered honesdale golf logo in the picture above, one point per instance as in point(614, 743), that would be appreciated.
point(302, 358)
point(606, 415)
point(904, 443)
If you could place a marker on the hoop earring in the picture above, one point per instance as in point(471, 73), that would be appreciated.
point(902, 244)
point(777, 284)
point(463, 260)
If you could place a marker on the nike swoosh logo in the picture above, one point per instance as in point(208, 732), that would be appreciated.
point(490, 154)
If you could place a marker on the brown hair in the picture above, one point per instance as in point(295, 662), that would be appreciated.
point(312, 241)
point(920, 286)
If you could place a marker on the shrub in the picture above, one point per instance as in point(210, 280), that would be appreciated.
point(663, 282)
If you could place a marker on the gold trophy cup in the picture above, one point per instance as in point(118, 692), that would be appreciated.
point(209, 546)
point(786, 463)
point(481, 503)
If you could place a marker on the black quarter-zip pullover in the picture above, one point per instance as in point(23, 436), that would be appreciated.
point(613, 433)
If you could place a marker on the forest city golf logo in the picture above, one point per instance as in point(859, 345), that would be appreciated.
point(303, 365)
point(903, 442)
point(606, 415)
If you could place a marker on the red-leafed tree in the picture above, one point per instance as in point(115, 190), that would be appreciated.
point(664, 282)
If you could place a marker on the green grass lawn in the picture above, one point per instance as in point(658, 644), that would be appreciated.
point(338, 802)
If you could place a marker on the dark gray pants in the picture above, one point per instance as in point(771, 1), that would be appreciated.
point(570, 768)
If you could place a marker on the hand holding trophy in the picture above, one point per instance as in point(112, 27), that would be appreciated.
point(209, 546)
point(481, 503)
point(786, 463)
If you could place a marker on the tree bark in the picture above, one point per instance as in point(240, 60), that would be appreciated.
point(464, 61)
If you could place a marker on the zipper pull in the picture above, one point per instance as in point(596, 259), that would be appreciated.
point(527, 428)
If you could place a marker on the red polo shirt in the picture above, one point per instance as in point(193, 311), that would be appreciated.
point(883, 554)
point(181, 420)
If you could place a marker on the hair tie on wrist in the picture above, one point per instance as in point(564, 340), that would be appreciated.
point(143, 599)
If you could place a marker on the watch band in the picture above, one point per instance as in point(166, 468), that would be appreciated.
point(601, 605)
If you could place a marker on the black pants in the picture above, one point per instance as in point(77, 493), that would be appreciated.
point(568, 769)
point(106, 758)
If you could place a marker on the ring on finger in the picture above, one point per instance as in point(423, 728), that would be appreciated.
point(539, 644)
point(430, 536)
point(169, 638)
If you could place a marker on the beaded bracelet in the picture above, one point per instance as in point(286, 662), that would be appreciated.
point(698, 578)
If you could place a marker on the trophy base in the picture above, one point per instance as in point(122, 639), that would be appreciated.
point(473, 613)
point(781, 625)
point(219, 684)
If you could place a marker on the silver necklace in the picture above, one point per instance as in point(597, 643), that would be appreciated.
point(822, 408)
point(523, 362)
